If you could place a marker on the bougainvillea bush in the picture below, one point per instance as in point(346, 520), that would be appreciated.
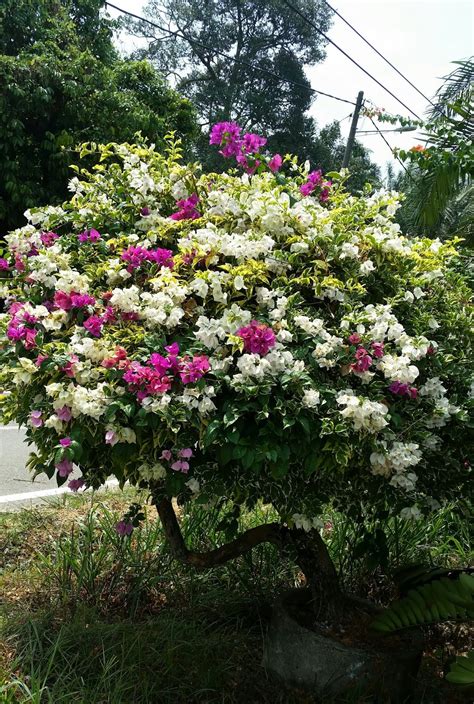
point(235, 338)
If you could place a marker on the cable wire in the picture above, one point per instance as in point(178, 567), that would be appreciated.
point(380, 54)
point(172, 33)
point(391, 149)
point(323, 34)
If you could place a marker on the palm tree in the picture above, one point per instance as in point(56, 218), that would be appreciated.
point(439, 188)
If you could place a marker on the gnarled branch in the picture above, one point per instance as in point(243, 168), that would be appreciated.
point(307, 549)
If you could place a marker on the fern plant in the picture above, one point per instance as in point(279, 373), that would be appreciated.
point(442, 598)
point(462, 670)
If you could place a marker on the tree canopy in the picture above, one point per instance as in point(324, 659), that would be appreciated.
point(61, 82)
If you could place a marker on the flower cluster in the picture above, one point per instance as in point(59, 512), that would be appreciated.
point(316, 183)
point(157, 375)
point(258, 338)
point(136, 256)
point(244, 148)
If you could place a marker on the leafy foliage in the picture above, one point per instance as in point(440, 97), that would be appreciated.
point(61, 82)
point(438, 184)
point(443, 597)
point(462, 670)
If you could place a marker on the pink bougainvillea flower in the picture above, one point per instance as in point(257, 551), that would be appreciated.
point(186, 452)
point(144, 212)
point(134, 256)
point(172, 349)
point(64, 413)
point(89, 236)
point(64, 468)
point(111, 438)
point(364, 360)
point(191, 370)
point(163, 257)
point(119, 359)
point(124, 528)
point(4, 266)
point(62, 300)
point(258, 338)
point(355, 338)
point(19, 264)
point(275, 163)
point(249, 167)
point(94, 325)
point(180, 466)
point(377, 349)
point(325, 191)
point(30, 339)
point(314, 179)
point(166, 455)
point(252, 143)
point(227, 136)
point(69, 368)
point(187, 209)
point(36, 419)
point(80, 300)
point(76, 484)
point(94, 236)
point(48, 238)
point(65, 442)
point(401, 389)
point(40, 359)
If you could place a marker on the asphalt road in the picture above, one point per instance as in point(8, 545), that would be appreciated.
point(14, 477)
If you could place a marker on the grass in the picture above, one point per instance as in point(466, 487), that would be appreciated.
point(87, 617)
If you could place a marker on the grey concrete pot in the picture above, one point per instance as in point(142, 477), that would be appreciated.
point(302, 657)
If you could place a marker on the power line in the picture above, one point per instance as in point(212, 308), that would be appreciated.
point(177, 33)
point(379, 53)
point(396, 157)
point(323, 34)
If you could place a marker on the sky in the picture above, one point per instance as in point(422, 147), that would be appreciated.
point(420, 37)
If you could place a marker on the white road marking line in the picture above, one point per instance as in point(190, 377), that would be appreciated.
point(10, 498)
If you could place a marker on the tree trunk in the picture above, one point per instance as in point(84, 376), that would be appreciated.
point(308, 550)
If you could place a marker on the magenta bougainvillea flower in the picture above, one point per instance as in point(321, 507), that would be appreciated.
point(401, 389)
point(187, 209)
point(258, 338)
point(94, 325)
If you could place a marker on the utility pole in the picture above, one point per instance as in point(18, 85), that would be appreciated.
point(352, 133)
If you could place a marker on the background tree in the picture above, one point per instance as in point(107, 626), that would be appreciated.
point(265, 35)
point(438, 185)
point(61, 83)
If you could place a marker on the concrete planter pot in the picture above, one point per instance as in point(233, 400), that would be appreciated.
point(301, 656)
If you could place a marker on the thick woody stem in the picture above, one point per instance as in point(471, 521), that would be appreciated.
point(308, 550)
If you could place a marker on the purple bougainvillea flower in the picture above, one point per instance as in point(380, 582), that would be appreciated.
point(76, 484)
point(36, 419)
point(64, 468)
point(94, 325)
point(64, 413)
point(124, 528)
